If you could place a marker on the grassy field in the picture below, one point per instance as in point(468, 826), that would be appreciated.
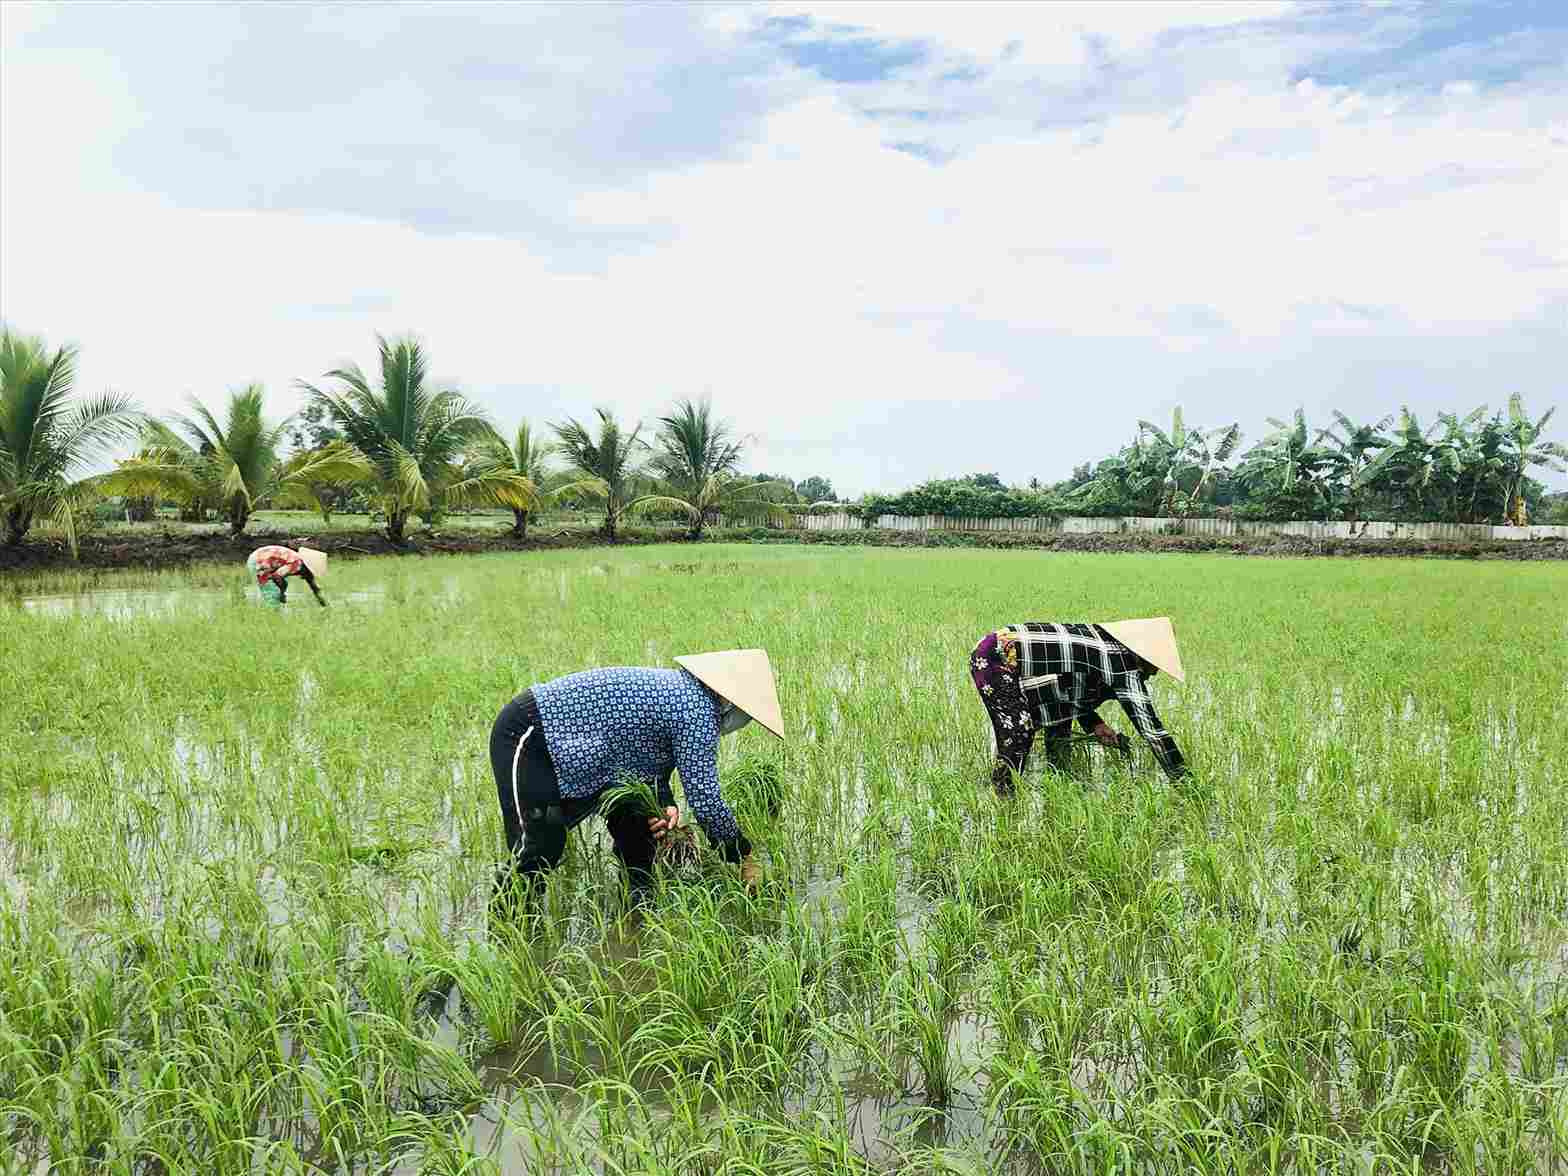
point(245, 858)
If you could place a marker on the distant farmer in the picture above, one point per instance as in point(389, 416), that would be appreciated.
point(559, 745)
point(271, 566)
point(1040, 677)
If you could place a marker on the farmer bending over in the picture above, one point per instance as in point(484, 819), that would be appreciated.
point(274, 564)
point(1040, 676)
point(559, 745)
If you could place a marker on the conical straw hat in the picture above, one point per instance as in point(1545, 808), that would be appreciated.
point(741, 676)
point(1152, 639)
point(315, 560)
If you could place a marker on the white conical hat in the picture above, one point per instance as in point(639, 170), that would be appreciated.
point(1152, 639)
point(315, 560)
point(741, 676)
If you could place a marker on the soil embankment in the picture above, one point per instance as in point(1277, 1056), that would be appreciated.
point(1275, 545)
point(160, 548)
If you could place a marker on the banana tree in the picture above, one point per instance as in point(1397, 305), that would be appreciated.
point(1352, 446)
point(1210, 450)
point(1182, 452)
point(1414, 462)
point(1523, 448)
point(1287, 463)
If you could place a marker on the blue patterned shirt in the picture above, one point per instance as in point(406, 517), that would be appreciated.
point(624, 720)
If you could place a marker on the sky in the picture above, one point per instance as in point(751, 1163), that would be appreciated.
point(891, 241)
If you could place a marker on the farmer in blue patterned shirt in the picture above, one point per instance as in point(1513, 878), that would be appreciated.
point(559, 745)
point(1039, 677)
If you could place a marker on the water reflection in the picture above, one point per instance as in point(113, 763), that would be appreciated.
point(132, 603)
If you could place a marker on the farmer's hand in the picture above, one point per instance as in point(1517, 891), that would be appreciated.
point(659, 826)
point(1107, 736)
point(750, 872)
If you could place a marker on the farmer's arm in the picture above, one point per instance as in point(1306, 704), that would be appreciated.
point(1133, 694)
point(1085, 708)
point(309, 578)
point(666, 793)
point(696, 747)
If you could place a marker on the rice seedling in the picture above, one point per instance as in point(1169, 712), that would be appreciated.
point(246, 857)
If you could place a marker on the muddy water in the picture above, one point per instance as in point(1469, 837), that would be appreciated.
point(531, 1096)
point(122, 603)
point(129, 603)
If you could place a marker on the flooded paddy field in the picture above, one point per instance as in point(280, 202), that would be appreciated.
point(245, 860)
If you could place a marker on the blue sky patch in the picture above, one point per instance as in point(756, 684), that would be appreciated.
point(857, 59)
point(1492, 42)
point(929, 152)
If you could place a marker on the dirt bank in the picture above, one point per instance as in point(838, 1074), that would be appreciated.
point(161, 548)
point(1276, 545)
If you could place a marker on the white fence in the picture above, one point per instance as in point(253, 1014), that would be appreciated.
point(1449, 532)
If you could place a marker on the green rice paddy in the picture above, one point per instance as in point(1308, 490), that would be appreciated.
point(245, 859)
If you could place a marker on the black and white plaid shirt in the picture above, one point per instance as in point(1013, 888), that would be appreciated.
point(1067, 671)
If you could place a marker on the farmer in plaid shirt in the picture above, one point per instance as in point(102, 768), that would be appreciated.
point(1041, 677)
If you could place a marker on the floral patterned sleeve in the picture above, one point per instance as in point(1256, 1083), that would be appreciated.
point(695, 742)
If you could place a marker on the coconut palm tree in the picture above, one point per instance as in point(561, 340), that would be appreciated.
point(527, 456)
point(320, 479)
point(697, 456)
point(164, 466)
point(693, 446)
point(608, 466)
point(243, 453)
point(413, 439)
point(233, 466)
point(1523, 448)
point(47, 439)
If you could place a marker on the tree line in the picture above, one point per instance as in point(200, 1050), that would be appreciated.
point(1474, 468)
point(397, 447)
point(394, 445)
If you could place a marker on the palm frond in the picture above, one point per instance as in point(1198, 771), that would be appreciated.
point(335, 463)
point(592, 487)
point(408, 485)
point(493, 486)
point(154, 472)
point(95, 425)
point(649, 503)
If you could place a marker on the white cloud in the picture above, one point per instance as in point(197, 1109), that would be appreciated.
point(863, 313)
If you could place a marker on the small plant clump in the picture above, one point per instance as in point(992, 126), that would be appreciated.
point(246, 858)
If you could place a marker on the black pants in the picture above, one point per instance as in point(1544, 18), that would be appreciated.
point(535, 816)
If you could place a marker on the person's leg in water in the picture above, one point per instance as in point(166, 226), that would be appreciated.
point(525, 780)
point(1058, 752)
point(993, 666)
point(635, 846)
